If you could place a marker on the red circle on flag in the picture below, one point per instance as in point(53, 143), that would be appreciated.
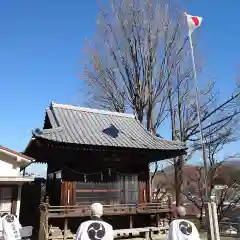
point(195, 21)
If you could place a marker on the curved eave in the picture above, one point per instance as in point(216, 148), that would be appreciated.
point(154, 154)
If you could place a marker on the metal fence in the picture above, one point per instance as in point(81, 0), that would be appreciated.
point(226, 229)
point(229, 229)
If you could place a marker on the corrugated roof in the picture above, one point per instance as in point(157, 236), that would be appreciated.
point(88, 126)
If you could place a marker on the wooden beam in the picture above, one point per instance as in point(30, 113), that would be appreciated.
point(14, 199)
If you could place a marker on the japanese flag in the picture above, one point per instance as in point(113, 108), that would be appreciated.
point(193, 22)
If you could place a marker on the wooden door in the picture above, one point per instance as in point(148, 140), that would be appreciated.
point(68, 193)
point(130, 188)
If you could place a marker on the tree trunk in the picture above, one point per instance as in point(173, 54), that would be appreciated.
point(178, 180)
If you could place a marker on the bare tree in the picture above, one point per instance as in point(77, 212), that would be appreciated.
point(138, 48)
point(218, 174)
point(227, 196)
point(220, 129)
point(135, 60)
point(139, 62)
point(219, 119)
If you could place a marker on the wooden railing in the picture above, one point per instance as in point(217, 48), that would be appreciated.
point(115, 209)
point(49, 212)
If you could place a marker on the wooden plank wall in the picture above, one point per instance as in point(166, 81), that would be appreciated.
point(68, 193)
point(71, 192)
point(104, 192)
point(142, 192)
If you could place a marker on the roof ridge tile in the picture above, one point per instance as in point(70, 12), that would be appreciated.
point(92, 110)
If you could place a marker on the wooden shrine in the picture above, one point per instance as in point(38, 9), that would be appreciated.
point(97, 156)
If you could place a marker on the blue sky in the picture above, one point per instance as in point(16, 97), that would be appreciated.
point(41, 47)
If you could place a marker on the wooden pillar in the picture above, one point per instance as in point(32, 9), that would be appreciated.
point(148, 188)
point(43, 232)
point(65, 233)
point(73, 201)
point(130, 221)
point(46, 226)
point(238, 230)
point(170, 209)
point(157, 220)
point(14, 199)
point(46, 219)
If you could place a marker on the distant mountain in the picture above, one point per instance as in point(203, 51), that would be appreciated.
point(233, 163)
point(227, 172)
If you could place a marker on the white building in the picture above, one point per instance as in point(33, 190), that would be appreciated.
point(11, 181)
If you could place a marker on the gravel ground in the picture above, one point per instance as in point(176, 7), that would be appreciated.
point(202, 238)
point(230, 238)
point(165, 238)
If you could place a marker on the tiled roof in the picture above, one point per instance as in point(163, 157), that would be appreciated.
point(16, 153)
point(86, 126)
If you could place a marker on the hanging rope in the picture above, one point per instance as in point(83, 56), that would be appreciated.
point(82, 173)
point(109, 172)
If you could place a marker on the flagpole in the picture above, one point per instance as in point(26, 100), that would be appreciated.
point(207, 194)
point(199, 118)
point(194, 22)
